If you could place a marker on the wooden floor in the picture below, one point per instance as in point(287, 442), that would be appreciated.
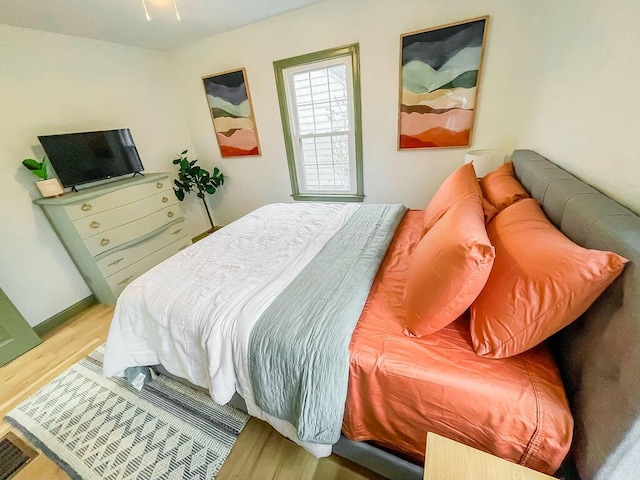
point(260, 452)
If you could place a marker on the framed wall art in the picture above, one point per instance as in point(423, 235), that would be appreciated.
point(439, 76)
point(232, 113)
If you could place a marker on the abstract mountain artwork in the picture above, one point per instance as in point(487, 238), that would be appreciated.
point(232, 114)
point(439, 73)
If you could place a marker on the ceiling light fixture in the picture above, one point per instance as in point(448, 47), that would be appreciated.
point(175, 7)
point(146, 12)
point(148, 17)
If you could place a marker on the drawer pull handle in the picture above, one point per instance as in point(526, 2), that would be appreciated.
point(130, 277)
point(176, 232)
point(165, 199)
point(159, 185)
point(86, 207)
point(169, 214)
point(104, 241)
point(115, 262)
point(94, 224)
point(182, 248)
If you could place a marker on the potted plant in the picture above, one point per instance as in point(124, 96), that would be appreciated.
point(193, 178)
point(49, 187)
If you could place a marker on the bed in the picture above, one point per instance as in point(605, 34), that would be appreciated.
point(603, 446)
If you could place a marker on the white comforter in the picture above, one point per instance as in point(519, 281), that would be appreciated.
point(194, 312)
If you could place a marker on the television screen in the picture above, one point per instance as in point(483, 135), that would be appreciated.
point(86, 157)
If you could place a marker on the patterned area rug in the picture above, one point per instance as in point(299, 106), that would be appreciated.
point(101, 428)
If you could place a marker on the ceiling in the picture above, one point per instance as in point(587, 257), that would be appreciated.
point(123, 21)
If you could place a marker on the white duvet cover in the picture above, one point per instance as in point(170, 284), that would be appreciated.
point(194, 312)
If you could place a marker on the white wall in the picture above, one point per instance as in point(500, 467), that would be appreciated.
point(585, 104)
point(557, 77)
point(54, 83)
point(408, 177)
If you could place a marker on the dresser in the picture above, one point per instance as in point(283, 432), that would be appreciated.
point(117, 231)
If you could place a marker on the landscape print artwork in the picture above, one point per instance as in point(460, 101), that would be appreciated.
point(232, 113)
point(439, 74)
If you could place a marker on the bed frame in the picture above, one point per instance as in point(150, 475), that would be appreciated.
point(599, 355)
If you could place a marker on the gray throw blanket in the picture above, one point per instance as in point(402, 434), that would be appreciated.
point(299, 347)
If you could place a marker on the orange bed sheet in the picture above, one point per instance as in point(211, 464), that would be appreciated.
point(400, 388)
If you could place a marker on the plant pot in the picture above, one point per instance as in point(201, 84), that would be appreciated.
point(50, 188)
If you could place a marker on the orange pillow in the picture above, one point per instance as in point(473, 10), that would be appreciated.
point(448, 268)
point(501, 187)
point(458, 185)
point(540, 282)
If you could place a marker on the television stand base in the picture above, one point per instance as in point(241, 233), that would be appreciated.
point(137, 173)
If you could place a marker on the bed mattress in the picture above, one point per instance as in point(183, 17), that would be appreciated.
point(194, 312)
point(400, 388)
point(287, 281)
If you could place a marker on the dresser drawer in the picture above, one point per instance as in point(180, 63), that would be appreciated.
point(115, 237)
point(110, 200)
point(130, 212)
point(116, 261)
point(124, 277)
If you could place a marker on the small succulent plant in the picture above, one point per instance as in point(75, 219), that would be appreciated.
point(39, 169)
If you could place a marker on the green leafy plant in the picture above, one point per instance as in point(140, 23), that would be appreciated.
point(193, 178)
point(39, 169)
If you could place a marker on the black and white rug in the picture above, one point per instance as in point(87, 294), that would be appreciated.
point(102, 428)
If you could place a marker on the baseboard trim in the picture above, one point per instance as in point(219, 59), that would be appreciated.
point(205, 234)
point(63, 316)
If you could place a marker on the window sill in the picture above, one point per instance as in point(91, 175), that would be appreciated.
point(307, 197)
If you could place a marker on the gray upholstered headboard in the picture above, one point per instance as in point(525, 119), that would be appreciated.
point(599, 354)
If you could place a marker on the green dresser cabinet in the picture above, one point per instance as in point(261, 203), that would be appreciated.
point(117, 231)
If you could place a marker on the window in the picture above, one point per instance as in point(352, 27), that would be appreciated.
point(319, 96)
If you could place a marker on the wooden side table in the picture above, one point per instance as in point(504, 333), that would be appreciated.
point(449, 460)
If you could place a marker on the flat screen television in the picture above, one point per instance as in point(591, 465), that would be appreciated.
point(90, 156)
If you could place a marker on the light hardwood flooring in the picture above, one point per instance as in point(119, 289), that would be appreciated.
point(260, 452)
